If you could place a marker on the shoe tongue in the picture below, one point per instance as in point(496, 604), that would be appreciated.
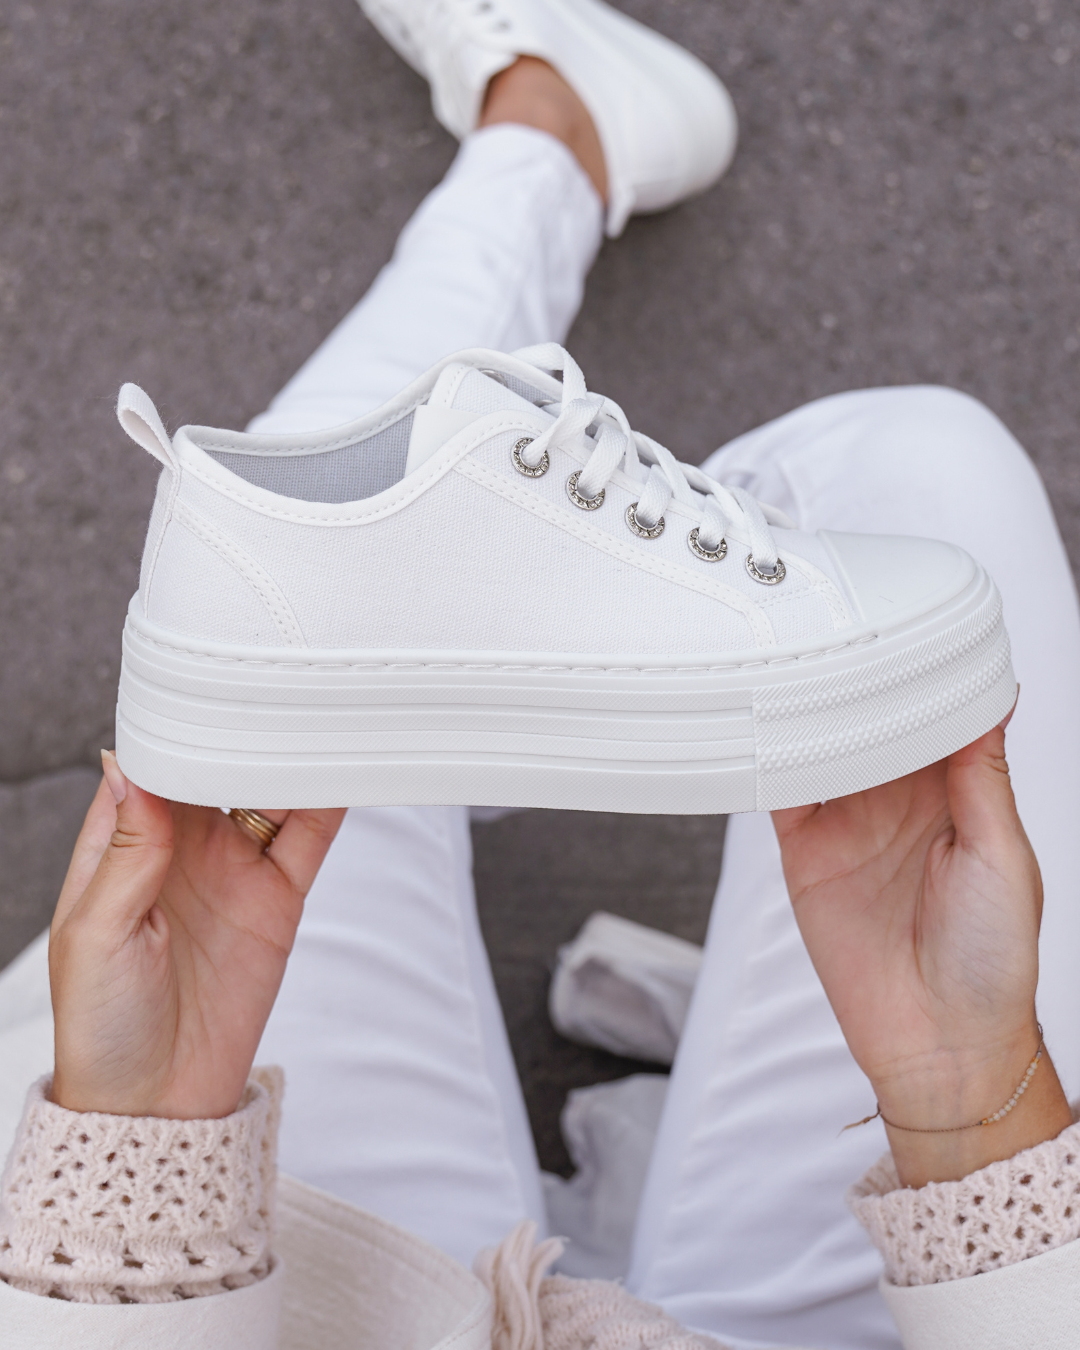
point(460, 395)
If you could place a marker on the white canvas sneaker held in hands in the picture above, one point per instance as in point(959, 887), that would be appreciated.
point(491, 590)
point(666, 123)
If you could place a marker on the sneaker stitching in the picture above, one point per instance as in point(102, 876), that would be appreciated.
point(264, 586)
point(300, 447)
point(423, 478)
point(520, 667)
point(598, 538)
point(168, 511)
point(956, 641)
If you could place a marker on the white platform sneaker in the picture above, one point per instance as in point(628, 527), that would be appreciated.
point(666, 124)
point(491, 591)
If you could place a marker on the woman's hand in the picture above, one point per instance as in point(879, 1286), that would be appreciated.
point(167, 950)
point(919, 902)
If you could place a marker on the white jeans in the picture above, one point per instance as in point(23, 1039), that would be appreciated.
point(402, 1091)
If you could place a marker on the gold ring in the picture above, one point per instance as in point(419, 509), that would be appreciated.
point(263, 831)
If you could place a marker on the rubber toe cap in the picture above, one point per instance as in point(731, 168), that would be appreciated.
point(890, 578)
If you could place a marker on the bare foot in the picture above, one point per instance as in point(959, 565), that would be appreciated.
point(534, 94)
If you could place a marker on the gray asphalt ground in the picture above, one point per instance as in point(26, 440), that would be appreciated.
point(192, 195)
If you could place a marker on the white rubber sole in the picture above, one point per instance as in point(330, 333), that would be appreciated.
point(274, 728)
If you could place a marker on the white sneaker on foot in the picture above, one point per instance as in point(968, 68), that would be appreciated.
point(490, 590)
point(666, 124)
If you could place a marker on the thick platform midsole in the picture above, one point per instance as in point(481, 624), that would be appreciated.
point(284, 728)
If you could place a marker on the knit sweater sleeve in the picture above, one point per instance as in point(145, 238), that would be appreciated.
point(97, 1208)
point(996, 1217)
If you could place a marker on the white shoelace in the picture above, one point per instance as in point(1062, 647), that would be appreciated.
point(432, 32)
point(664, 478)
point(484, 14)
point(478, 19)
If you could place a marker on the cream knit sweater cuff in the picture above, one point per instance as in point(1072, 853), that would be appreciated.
point(116, 1209)
point(996, 1217)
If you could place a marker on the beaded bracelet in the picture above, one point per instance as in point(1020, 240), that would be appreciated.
point(999, 1114)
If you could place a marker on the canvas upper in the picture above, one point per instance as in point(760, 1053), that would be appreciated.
point(425, 527)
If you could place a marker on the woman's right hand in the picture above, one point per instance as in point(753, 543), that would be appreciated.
point(167, 950)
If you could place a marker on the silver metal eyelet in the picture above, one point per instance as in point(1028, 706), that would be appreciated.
point(586, 503)
point(643, 531)
point(764, 577)
point(716, 554)
point(530, 470)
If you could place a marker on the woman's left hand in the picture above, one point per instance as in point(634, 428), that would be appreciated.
point(919, 902)
point(167, 949)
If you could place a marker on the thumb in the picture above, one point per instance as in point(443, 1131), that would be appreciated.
point(981, 801)
point(132, 868)
point(788, 820)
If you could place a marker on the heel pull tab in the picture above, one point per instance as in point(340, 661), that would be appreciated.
point(136, 413)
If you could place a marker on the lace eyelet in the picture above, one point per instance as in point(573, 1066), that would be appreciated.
point(643, 531)
point(530, 470)
point(764, 577)
point(585, 503)
point(717, 554)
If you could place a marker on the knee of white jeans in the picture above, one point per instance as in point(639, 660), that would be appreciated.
point(912, 460)
point(887, 445)
point(951, 428)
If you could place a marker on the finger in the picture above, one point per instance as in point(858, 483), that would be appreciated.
point(129, 876)
point(252, 833)
point(787, 821)
point(277, 818)
point(302, 844)
point(981, 800)
point(92, 842)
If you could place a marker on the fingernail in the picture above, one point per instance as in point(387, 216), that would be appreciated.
point(118, 784)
